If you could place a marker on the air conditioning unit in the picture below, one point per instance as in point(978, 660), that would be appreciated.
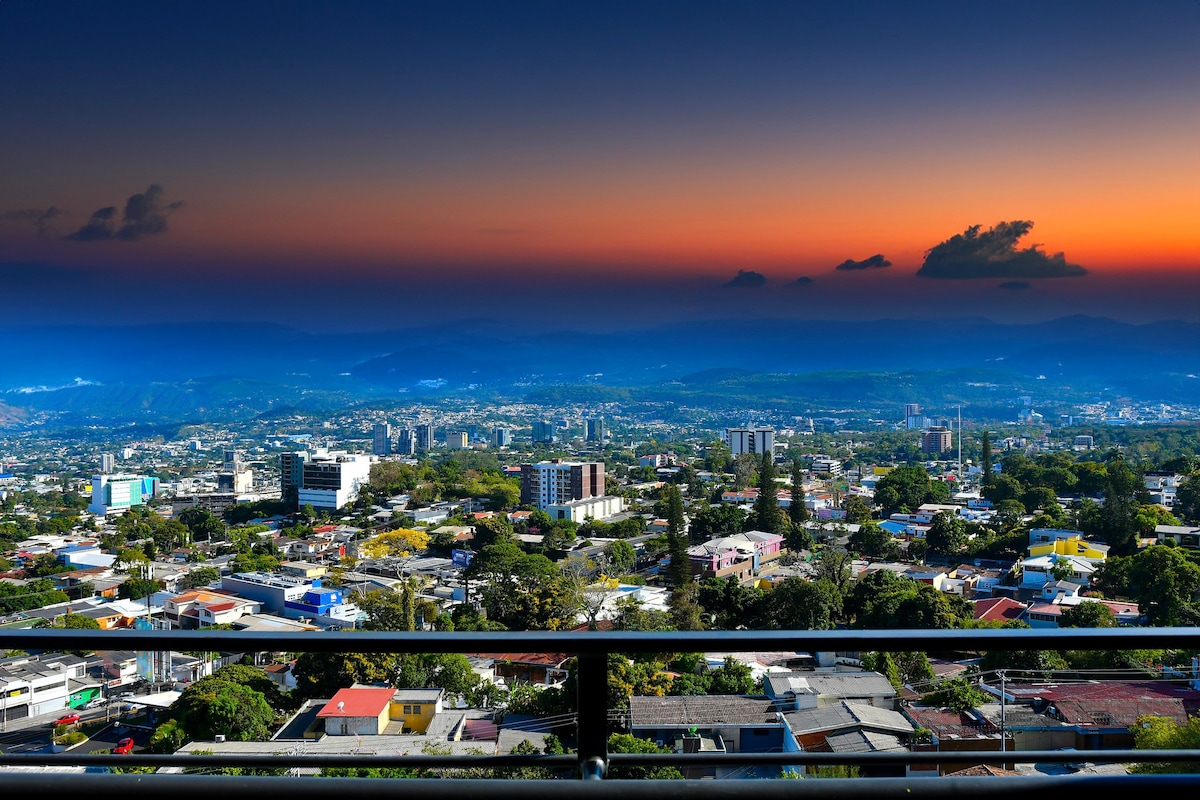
point(219, 738)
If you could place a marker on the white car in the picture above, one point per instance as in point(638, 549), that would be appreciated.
point(97, 703)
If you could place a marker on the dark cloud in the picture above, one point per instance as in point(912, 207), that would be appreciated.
point(145, 215)
point(876, 261)
point(994, 254)
point(1015, 285)
point(745, 279)
point(101, 226)
point(803, 280)
point(41, 219)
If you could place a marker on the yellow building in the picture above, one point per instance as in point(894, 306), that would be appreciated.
point(416, 707)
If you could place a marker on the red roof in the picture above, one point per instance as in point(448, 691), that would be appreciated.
point(324, 528)
point(357, 702)
point(218, 607)
point(1000, 609)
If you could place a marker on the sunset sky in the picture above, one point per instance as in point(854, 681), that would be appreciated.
point(370, 165)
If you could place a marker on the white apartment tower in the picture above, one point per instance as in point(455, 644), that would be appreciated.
point(757, 440)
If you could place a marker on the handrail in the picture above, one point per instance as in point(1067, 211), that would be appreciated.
point(592, 761)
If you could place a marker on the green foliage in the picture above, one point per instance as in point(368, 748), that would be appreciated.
point(624, 743)
point(1087, 615)
point(77, 622)
point(200, 576)
point(883, 600)
point(214, 705)
point(957, 694)
point(137, 588)
point(1162, 733)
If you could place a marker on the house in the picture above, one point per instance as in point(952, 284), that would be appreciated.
point(357, 711)
point(1184, 535)
point(416, 707)
point(952, 731)
point(543, 669)
point(998, 609)
point(849, 727)
point(721, 723)
point(798, 691)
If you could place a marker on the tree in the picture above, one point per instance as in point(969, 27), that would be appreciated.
point(732, 677)
point(797, 604)
point(684, 608)
point(903, 488)
point(797, 510)
point(77, 622)
point(1163, 733)
point(679, 570)
point(947, 534)
point(625, 743)
point(200, 576)
point(857, 510)
point(872, 541)
point(214, 705)
point(1187, 498)
point(766, 515)
point(715, 521)
point(1087, 615)
point(137, 588)
point(622, 558)
point(957, 694)
point(394, 544)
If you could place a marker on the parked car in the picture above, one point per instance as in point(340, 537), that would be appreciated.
point(124, 747)
point(67, 719)
point(99, 702)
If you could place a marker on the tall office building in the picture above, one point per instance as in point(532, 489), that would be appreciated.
point(936, 440)
point(406, 442)
point(544, 432)
point(383, 439)
point(424, 438)
point(595, 429)
point(291, 476)
point(555, 482)
point(332, 480)
point(107, 463)
point(119, 493)
point(457, 440)
point(501, 437)
point(757, 440)
point(914, 420)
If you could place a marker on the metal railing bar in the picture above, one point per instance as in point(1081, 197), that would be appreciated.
point(201, 787)
point(284, 759)
point(603, 642)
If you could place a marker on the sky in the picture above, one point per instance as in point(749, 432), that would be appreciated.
point(373, 165)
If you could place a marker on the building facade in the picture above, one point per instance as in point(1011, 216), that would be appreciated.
point(758, 440)
point(556, 482)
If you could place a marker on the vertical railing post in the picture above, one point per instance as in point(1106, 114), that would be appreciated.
point(592, 725)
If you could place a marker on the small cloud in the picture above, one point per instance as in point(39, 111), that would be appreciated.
point(994, 254)
point(876, 261)
point(745, 279)
point(803, 280)
point(145, 215)
point(40, 219)
point(100, 227)
point(1015, 285)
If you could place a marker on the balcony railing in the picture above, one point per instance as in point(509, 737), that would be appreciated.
point(592, 761)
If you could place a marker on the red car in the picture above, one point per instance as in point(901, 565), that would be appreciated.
point(124, 746)
point(69, 719)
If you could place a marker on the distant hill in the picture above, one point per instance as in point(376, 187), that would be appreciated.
point(171, 371)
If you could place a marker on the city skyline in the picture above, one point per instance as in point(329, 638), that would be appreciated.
point(370, 165)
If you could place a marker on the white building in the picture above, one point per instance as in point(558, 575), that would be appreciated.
point(332, 480)
point(113, 494)
point(757, 440)
point(587, 508)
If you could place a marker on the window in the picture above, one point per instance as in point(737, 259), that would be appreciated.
point(416, 709)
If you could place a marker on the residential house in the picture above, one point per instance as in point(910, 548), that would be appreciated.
point(951, 731)
point(850, 727)
point(416, 708)
point(999, 609)
point(797, 691)
point(357, 711)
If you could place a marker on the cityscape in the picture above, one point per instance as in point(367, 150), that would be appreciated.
point(631, 393)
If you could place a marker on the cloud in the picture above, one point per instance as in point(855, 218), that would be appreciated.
point(145, 215)
point(876, 261)
point(994, 254)
point(1015, 285)
point(41, 219)
point(745, 279)
point(803, 280)
point(101, 226)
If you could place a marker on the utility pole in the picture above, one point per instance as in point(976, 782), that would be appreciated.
point(1002, 731)
point(960, 472)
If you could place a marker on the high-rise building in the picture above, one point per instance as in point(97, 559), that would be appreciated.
point(291, 476)
point(501, 437)
point(331, 480)
point(472, 432)
point(914, 420)
point(117, 493)
point(757, 440)
point(383, 439)
point(406, 442)
point(107, 463)
point(424, 437)
point(457, 440)
point(595, 429)
point(936, 440)
point(555, 482)
point(544, 432)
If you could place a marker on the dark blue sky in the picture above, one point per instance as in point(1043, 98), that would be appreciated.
point(628, 158)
